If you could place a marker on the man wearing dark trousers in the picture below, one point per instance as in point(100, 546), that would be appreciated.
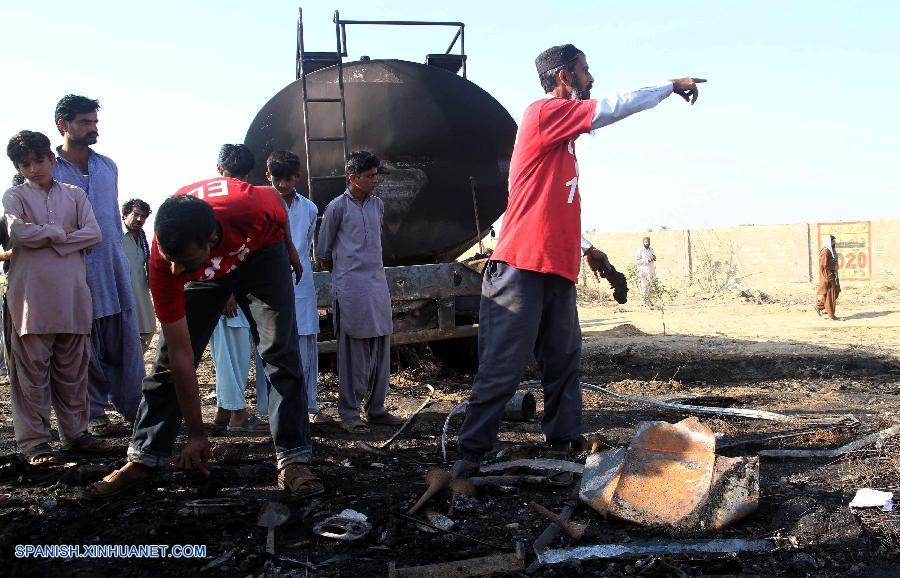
point(213, 239)
point(528, 307)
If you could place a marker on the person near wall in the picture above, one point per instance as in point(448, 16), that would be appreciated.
point(645, 258)
point(829, 285)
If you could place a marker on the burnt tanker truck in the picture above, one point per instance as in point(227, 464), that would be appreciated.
point(445, 146)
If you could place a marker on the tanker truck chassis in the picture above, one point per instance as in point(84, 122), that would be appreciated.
point(430, 303)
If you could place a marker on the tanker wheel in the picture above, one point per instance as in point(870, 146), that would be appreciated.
point(460, 354)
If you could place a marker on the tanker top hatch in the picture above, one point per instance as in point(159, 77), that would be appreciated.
point(444, 143)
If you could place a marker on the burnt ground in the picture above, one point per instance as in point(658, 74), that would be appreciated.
point(803, 504)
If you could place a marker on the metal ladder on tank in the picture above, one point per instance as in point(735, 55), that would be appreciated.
point(308, 62)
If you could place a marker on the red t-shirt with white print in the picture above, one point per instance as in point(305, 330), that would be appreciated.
point(542, 225)
point(251, 218)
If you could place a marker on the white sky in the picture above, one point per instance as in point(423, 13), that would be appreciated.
point(797, 122)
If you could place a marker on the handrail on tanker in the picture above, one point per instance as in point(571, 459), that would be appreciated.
point(460, 32)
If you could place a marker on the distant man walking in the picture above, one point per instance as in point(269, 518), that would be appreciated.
point(528, 296)
point(829, 284)
point(137, 251)
point(117, 359)
point(646, 262)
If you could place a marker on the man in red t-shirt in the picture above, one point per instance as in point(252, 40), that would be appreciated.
point(528, 295)
point(213, 239)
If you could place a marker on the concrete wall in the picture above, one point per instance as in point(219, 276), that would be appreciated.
point(764, 254)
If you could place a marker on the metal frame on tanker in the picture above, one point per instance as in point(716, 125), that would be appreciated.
point(430, 303)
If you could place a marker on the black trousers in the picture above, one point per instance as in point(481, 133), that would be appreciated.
point(264, 289)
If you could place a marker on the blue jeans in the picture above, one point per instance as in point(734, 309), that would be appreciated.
point(309, 365)
point(264, 290)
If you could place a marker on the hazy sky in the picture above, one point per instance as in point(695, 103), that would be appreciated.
point(798, 121)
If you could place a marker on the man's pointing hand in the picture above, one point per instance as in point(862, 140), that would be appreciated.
point(686, 88)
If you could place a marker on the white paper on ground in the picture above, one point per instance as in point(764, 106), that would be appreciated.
point(869, 498)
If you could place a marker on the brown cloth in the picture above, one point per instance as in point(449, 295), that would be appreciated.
point(829, 286)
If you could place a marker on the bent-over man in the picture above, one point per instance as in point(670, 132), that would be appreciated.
point(213, 239)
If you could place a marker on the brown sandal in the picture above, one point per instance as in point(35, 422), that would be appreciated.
point(89, 444)
point(113, 485)
point(41, 455)
point(299, 481)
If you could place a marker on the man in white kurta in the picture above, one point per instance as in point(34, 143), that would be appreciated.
point(646, 262)
point(283, 173)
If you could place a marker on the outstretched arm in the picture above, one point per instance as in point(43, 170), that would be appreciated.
point(618, 105)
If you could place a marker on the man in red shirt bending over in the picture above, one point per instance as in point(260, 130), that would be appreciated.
point(213, 239)
point(528, 294)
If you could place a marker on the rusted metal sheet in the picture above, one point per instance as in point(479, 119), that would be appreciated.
point(734, 492)
point(600, 478)
point(671, 476)
point(666, 474)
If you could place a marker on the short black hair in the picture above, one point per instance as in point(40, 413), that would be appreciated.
point(361, 161)
point(283, 164)
point(549, 80)
point(18, 179)
point(236, 160)
point(135, 203)
point(74, 104)
point(182, 221)
point(26, 143)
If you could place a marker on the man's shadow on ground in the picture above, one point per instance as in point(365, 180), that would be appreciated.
point(867, 315)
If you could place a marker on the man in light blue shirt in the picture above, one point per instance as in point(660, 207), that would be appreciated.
point(117, 361)
point(283, 172)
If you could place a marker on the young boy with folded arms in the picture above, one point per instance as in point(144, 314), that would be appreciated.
point(51, 225)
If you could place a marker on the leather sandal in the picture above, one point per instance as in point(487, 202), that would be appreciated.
point(40, 455)
point(251, 426)
point(112, 485)
point(89, 444)
point(299, 481)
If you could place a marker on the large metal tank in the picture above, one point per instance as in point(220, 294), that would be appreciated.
point(432, 129)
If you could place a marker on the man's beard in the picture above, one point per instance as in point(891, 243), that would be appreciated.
point(87, 140)
point(579, 92)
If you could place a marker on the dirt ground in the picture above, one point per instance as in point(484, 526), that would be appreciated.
point(761, 351)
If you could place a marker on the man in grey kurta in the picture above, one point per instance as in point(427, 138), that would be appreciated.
point(117, 360)
point(137, 251)
point(349, 245)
